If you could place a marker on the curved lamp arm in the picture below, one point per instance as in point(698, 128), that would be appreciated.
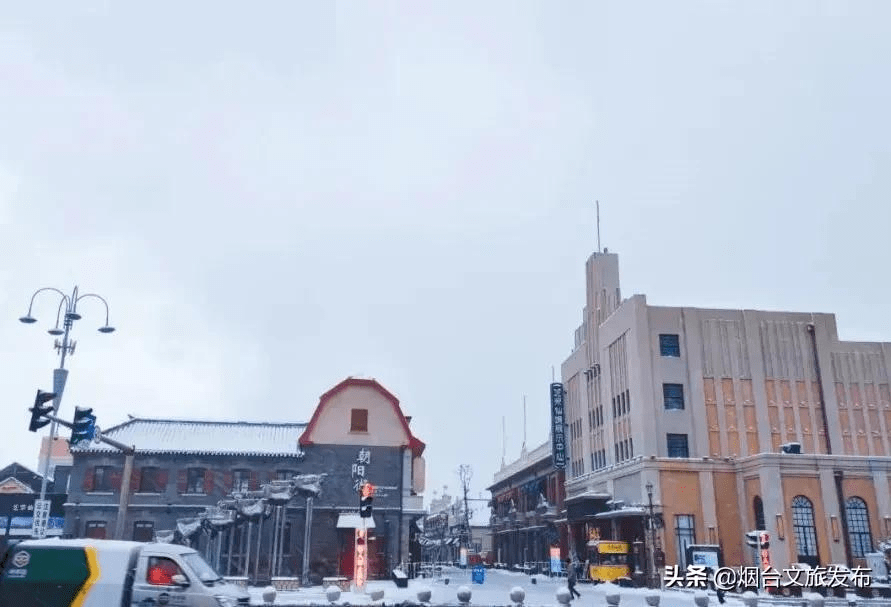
point(27, 318)
point(107, 328)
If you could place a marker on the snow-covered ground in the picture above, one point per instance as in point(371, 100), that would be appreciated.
point(495, 591)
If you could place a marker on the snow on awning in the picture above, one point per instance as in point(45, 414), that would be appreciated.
point(351, 520)
point(621, 513)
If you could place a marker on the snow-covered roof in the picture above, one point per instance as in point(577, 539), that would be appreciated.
point(204, 437)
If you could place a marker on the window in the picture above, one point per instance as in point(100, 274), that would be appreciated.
point(195, 480)
point(858, 527)
point(143, 531)
point(759, 513)
point(284, 475)
point(685, 532)
point(805, 531)
point(95, 530)
point(677, 445)
point(102, 478)
point(151, 480)
point(673, 395)
point(359, 420)
point(669, 345)
point(241, 480)
point(286, 539)
point(160, 571)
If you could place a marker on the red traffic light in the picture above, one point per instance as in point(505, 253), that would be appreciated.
point(367, 490)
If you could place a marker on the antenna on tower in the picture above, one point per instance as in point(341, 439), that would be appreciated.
point(523, 450)
point(598, 227)
point(503, 439)
point(553, 375)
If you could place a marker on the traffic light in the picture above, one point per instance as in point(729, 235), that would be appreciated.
point(764, 540)
point(40, 409)
point(84, 425)
point(753, 538)
point(367, 496)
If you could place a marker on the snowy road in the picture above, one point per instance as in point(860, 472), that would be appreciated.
point(496, 591)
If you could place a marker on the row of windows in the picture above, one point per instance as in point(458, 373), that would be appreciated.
point(598, 459)
point(575, 429)
point(857, 518)
point(622, 404)
point(624, 449)
point(154, 480)
point(595, 417)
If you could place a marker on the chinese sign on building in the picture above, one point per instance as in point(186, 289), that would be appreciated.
point(558, 447)
point(360, 468)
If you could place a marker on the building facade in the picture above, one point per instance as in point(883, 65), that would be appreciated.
point(527, 502)
point(736, 419)
point(182, 467)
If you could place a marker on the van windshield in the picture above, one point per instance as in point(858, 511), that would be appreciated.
point(198, 565)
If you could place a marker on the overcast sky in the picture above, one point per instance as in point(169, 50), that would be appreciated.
point(275, 197)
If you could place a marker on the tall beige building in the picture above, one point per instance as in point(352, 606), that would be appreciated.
point(699, 403)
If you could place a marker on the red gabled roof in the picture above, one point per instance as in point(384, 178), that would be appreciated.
point(417, 447)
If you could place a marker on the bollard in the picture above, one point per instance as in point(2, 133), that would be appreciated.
point(700, 598)
point(517, 595)
point(464, 595)
point(332, 592)
point(613, 599)
point(750, 599)
point(815, 599)
point(269, 595)
point(652, 599)
point(563, 595)
point(424, 595)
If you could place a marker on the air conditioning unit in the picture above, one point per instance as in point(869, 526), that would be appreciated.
point(791, 448)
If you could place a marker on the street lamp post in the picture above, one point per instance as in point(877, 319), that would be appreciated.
point(68, 304)
point(651, 540)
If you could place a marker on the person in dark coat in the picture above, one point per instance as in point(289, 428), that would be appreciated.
point(571, 579)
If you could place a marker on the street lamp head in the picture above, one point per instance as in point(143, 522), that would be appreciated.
point(28, 319)
point(106, 329)
point(73, 316)
point(55, 331)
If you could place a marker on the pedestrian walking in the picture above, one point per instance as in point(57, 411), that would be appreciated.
point(572, 579)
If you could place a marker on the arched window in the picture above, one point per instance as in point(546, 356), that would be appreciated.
point(759, 513)
point(858, 527)
point(805, 531)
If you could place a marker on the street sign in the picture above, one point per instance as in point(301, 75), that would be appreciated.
point(478, 575)
point(41, 518)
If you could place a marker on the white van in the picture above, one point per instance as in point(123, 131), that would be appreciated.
point(107, 573)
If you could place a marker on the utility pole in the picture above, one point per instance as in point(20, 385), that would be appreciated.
point(68, 303)
point(465, 473)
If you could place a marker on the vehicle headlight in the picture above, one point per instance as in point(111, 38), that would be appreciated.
point(226, 601)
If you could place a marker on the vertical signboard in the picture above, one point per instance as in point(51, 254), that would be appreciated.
point(555, 560)
point(41, 518)
point(360, 567)
point(558, 446)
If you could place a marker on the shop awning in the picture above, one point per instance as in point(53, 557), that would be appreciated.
point(351, 520)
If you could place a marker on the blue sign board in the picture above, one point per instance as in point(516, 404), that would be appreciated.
point(478, 575)
point(558, 423)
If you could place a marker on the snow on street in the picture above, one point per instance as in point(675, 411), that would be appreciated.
point(495, 591)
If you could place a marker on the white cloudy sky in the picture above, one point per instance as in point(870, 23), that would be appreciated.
point(275, 197)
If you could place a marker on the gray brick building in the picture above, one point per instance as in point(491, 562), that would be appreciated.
point(181, 467)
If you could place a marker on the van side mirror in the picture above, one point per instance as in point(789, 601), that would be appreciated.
point(179, 580)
